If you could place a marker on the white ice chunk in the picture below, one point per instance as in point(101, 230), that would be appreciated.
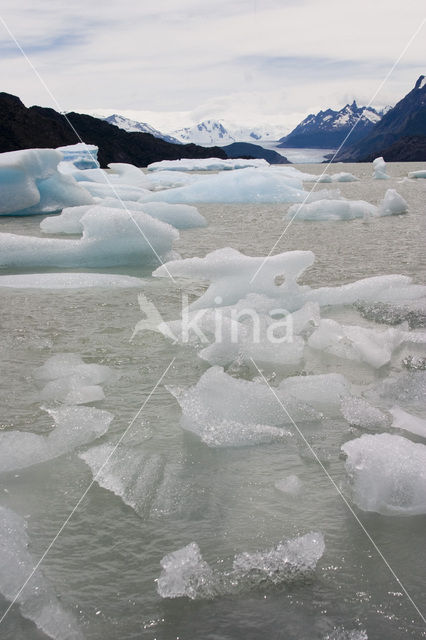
point(291, 485)
point(206, 164)
point(245, 185)
point(360, 413)
point(170, 179)
point(37, 599)
point(128, 174)
point(332, 210)
point(74, 427)
point(30, 183)
point(387, 474)
point(80, 155)
point(408, 422)
point(343, 176)
point(392, 204)
point(68, 222)
point(417, 174)
point(62, 280)
point(379, 168)
point(111, 237)
point(186, 574)
point(372, 346)
point(112, 189)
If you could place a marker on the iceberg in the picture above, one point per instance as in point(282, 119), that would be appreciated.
point(408, 422)
point(291, 485)
point(360, 413)
point(392, 204)
point(111, 237)
point(206, 164)
point(30, 183)
point(379, 168)
point(186, 574)
point(417, 174)
point(387, 474)
point(244, 185)
point(61, 281)
point(74, 427)
point(35, 596)
point(113, 189)
point(332, 210)
point(80, 155)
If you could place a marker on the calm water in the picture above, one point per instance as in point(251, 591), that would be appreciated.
point(104, 565)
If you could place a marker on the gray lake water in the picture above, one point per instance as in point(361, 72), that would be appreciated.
point(104, 565)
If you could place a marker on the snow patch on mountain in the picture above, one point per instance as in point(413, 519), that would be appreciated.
point(142, 127)
point(218, 132)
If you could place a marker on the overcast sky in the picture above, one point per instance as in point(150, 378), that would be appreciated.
point(176, 62)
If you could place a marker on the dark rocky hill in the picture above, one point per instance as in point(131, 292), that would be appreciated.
point(248, 150)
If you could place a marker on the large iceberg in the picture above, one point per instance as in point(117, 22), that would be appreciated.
point(30, 183)
point(74, 427)
point(111, 237)
point(35, 596)
point(387, 474)
point(80, 155)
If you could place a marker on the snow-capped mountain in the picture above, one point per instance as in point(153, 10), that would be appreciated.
point(142, 127)
point(219, 132)
point(327, 129)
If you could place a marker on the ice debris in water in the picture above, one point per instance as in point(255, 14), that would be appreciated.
point(413, 312)
point(387, 474)
point(186, 574)
point(110, 238)
point(71, 280)
point(206, 164)
point(361, 344)
point(244, 185)
point(408, 422)
point(225, 411)
point(417, 174)
point(342, 634)
point(37, 600)
point(291, 485)
point(180, 216)
point(379, 168)
point(232, 276)
point(360, 413)
point(71, 381)
point(74, 427)
point(30, 183)
point(392, 204)
point(148, 483)
point(335, 177)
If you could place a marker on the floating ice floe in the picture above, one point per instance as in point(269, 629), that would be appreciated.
point(244, 185)
point(291, 485)
point(148, 483)
point(232, 276)
point(35, 596)
point(74, 427)
point(62, 280)
point(320, 210)
point(340, 633)
point(360, 413)
point(30, 183)
point(335, 177)
point(169, 179)
point(180, 216)
point(387, 474)
point(206, 164)
point(361, 344)
point(226, 411)
point(379, 168)
point(186, 574)
point(408, 422)
point(411, 311)
point(80, 156)
point(111, 237)
point(71, 381)
point(417, 174)
point(113, 189)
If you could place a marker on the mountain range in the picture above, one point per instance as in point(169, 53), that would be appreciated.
point(219, 132)
point(399, 136)
point(40, 127)
point(142, 127)
point(327, 129)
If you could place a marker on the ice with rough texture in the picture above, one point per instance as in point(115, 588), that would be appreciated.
point(342, 634)
point(332, 210)
point(226, 411)
point(113, 189)
point(206, 164)
point(417, 174)
point(110, 238)
point(244, 185)
point(361, 344)
point(80, 155)
point(392, 204)
point(37, 599)
point(71, 280)
point(408, 422)
point(387, 474)
point(360, 413)
point(74, 427)
point(186, 574)
point(379, 168)
point(30, 183)
point(291, 485)
point(411, 311)
point(71, 381)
